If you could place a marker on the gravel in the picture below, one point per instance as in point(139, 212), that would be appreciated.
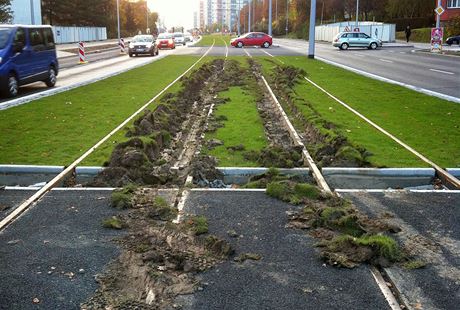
point(434, 217)
point(50, 255)
point(289, 274)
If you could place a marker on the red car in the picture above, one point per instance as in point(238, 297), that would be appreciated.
point(166, 40)
point(253, 39)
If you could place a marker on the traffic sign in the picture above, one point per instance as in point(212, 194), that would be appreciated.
point(439, 10)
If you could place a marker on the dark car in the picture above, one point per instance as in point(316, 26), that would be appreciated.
point(453, 40)
point(143, 44)
point(27, 55)
point(253, 39)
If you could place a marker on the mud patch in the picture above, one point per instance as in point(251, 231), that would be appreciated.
point(347, 238)
point(328, 146)
point(158, 139)
point(159, 260)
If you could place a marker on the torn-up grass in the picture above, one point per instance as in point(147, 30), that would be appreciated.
point(293, 192)
point(113, 222)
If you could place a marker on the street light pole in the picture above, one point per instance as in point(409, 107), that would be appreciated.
point(270, 18)
point(311, 37)
point(357, 14)
point(249, 16)
point(118, 20)
point(438, 17)
point(239, 13)
point(287, 17)
point(147, 8)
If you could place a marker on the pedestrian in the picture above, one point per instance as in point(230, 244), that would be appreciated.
point(408, 33)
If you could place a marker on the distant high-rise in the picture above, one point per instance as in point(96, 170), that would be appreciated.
point(202, 20)
point(195, 19)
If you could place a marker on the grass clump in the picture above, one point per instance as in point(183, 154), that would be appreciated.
point(347, 251)
point(122, 198)
point(415, 264)
point(161, 210)
point(292, 192)
point(198, 225)
point(112, 222)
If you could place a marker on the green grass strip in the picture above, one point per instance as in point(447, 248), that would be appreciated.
point(55, 130)
point(243, 126)
point(428, 124)
point(220, 40)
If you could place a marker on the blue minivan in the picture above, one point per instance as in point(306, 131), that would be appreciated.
point(27, 55)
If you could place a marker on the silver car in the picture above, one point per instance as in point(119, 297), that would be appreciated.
point(344, 40)
point(179, 38)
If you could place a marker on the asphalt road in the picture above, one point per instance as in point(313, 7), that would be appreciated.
point(433, 72)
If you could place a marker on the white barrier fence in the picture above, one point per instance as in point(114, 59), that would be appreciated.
point(384, 32)
point(77, 34)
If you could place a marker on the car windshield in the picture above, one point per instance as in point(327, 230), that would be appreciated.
point(178, 35)
point(4, 36)
point(139, 39)
point(165, 36)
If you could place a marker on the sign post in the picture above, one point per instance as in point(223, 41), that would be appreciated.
point(437, 35)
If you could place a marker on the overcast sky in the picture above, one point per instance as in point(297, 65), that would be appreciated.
point(175, 12)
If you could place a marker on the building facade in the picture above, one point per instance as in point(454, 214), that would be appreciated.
point(452, 9)
point(27, 12)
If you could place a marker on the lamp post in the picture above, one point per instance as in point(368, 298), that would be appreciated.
point(249, 16)
point(438, 17)
point(270, 18)
point(287, 17)
point(118, 20)
point(147, 9)
point(357, 14)
point(311, 37)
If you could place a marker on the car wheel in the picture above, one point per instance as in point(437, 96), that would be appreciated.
point(130, 54)
point(51, 80)
point(266, 45)
point(344, 46)
point(373, 46)
point(240, 44)
point(12, 86)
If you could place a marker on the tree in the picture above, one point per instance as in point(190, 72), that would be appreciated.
point(6, 15)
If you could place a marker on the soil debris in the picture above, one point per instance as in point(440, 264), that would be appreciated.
point(247, 256)
point(346, 236)
point(205, 174)
point(158, 139)
point(159, 259)
point(328, 146)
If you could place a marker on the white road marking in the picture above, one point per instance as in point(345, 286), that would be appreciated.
point(402, 52)
point(359, 54)
point(391, 51)
point(272, 56)
point(226, 48)
point(386, 60)
point(247, 53)
point(387, 80)
point(440, 71)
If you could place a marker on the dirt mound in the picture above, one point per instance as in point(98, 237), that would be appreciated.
point(205, 174)
point(157, 137)
point(347, 237)
point(159, 260)
point(328, 146)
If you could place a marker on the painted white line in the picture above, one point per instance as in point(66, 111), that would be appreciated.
point(282, 62)
point(402, 52)
point(439, 191)
point(383, 79)
point(391, 51)
point(441, 71)
point(394, 304)
point(385, 60)
point(360, 55)
point(228, 189)
point(247, 53)
point(439, 169)
point(226, 48)
point(23, 207)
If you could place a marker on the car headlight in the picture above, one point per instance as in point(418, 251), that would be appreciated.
point(131, 45)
